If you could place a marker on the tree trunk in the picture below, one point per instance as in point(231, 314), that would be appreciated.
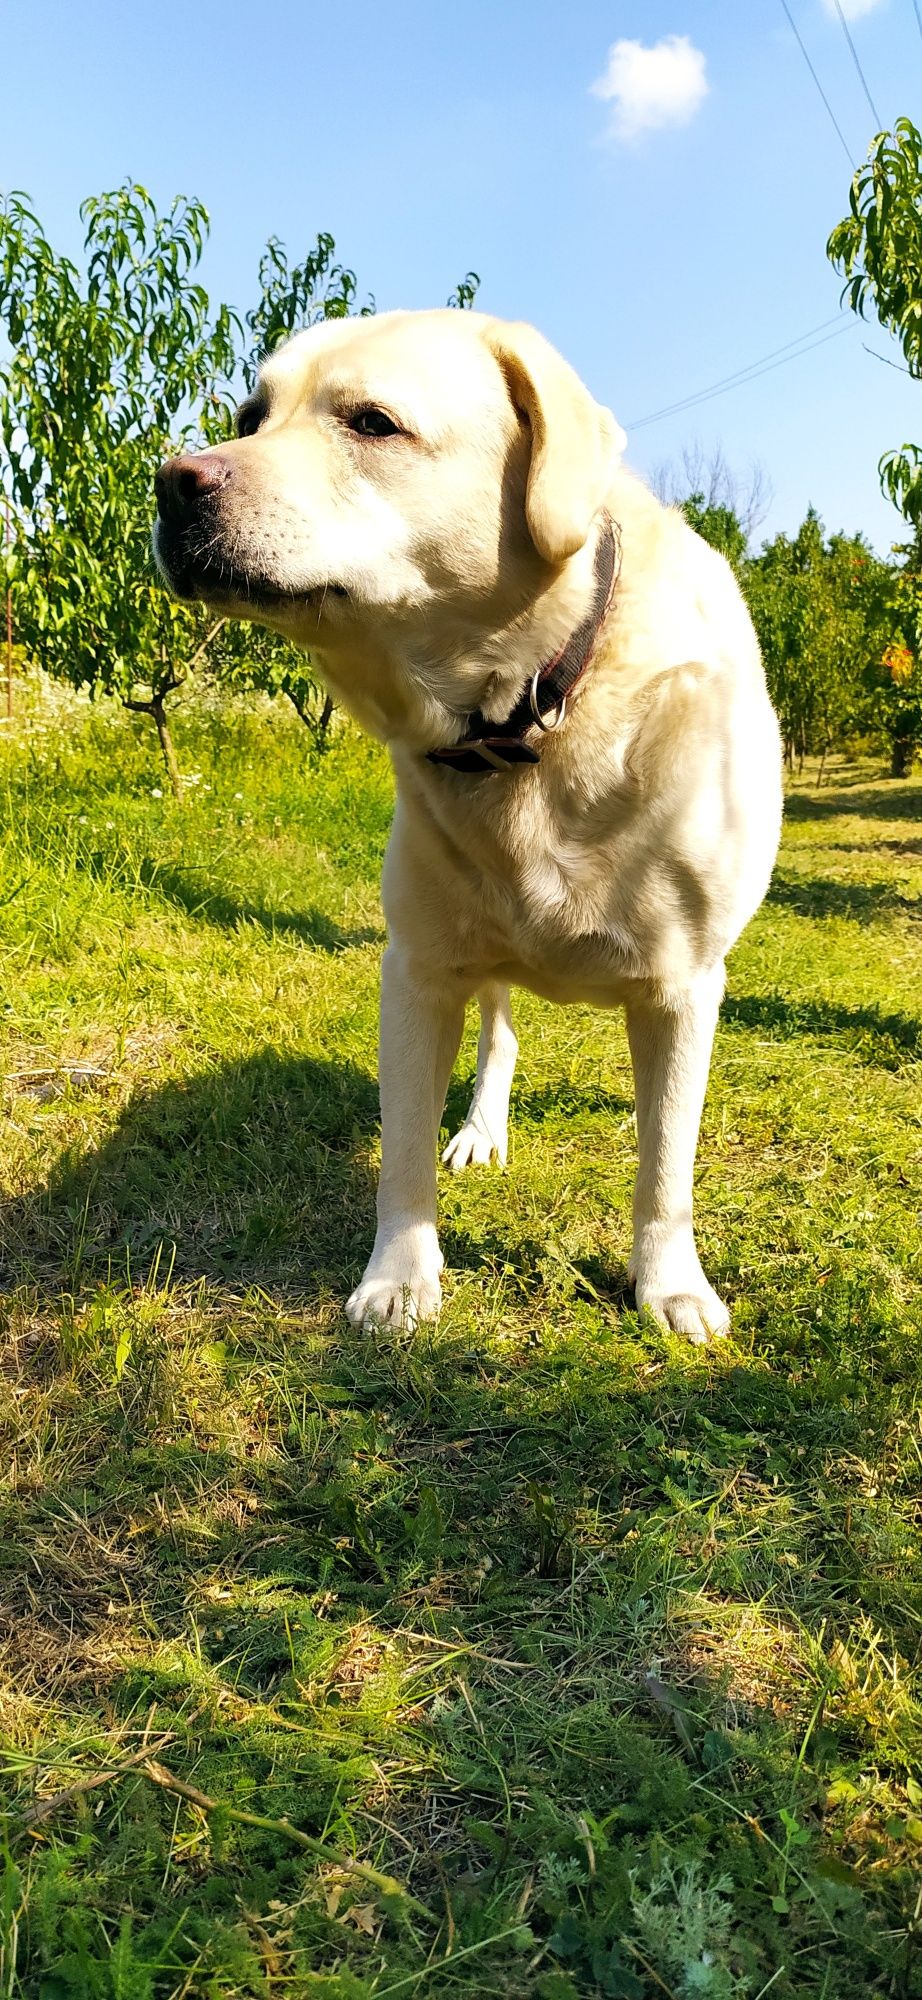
point(156, 707)
point(903, 758)
point(318, 725)
point(166, 744)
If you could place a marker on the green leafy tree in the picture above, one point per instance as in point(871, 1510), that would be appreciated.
point(821, 610)
point(108, 370)
point(878, 248)
point(293, 296)
point(894, 674)
point(719, 525)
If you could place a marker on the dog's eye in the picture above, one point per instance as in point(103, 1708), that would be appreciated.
point(248, 419)
point(370, 422)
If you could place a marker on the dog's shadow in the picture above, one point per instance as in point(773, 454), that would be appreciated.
point(253, 1171)
point(257, 1172)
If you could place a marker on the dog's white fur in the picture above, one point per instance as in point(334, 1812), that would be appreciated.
point(430, 573)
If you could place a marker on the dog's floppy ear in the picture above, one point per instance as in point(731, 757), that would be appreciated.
point(574, 441)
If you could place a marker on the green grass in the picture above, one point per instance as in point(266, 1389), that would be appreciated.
point(607, 1650)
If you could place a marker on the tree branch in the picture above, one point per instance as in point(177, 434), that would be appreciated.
point(386, 1885)
point(203, 648)
point(900, 367)
point(43, 1808)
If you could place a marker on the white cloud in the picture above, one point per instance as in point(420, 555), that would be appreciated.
point(852, 9)
point(649, 88)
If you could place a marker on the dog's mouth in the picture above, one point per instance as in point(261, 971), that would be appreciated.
point(209, 576)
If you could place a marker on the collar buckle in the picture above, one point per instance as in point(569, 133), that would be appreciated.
point(499, 746)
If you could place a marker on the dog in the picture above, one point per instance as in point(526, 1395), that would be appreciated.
point(587, 762)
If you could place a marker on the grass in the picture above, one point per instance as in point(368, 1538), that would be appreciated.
point(535, 1653)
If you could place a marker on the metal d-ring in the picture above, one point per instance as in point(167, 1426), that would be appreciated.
point(541, 720)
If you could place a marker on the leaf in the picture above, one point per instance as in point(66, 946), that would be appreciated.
point(797, 1835)
point(840, 1792)
point(122, 1351)
point(568, 1939)
point(677, 1709)
point(365, 1917)
point(616, 1977)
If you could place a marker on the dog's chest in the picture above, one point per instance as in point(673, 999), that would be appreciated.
point(573, 904)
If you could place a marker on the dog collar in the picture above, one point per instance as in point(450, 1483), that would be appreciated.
point(497, 746)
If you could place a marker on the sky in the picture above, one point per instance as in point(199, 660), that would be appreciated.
point(651, 182)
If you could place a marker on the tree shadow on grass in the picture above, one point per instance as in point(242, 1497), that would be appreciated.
point(909, 848)
point(885, 801)
point(884, 1040)
point(863, 901)
point(190, 893)
point(544, 1556)
point(560, 1102)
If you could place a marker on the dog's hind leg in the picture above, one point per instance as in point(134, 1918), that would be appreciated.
point(484, 1135)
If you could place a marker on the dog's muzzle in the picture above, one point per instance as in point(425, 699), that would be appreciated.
point(188, 490)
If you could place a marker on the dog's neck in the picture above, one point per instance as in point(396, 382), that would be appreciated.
point(489, 744)
point(402, 693)
point(488, 674)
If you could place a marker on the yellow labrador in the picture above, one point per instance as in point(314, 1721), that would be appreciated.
point(587, 762)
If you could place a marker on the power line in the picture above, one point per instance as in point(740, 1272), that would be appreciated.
point(875, 114)
point(796, 32)
point(918, 15)
point(763, 365)
point(727, 381)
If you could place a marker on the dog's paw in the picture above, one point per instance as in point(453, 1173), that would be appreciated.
point(474, 1146)
point(390, 1302)
point(399, 1288)
point(673, 1287)
point(701, 1315)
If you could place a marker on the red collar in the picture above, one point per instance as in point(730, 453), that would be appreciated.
point(497, 746)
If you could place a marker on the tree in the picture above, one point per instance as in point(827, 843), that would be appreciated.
point(109, 369)
point(710, 482)
point(822, 612)
point(894, 677)
point(719, 526)
point(878, 247)
point(295, 296)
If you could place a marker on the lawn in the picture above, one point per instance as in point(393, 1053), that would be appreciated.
point(535, 1652)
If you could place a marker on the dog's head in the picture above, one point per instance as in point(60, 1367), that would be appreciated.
point(416, 476)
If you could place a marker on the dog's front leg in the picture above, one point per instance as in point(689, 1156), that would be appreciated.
point(671, 1053)
point(421, 1025)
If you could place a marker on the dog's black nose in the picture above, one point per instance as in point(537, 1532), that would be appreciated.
point(182, 483)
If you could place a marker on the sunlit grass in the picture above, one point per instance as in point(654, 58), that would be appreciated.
point(605, 1649)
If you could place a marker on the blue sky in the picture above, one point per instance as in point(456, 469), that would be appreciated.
point(664, 236)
